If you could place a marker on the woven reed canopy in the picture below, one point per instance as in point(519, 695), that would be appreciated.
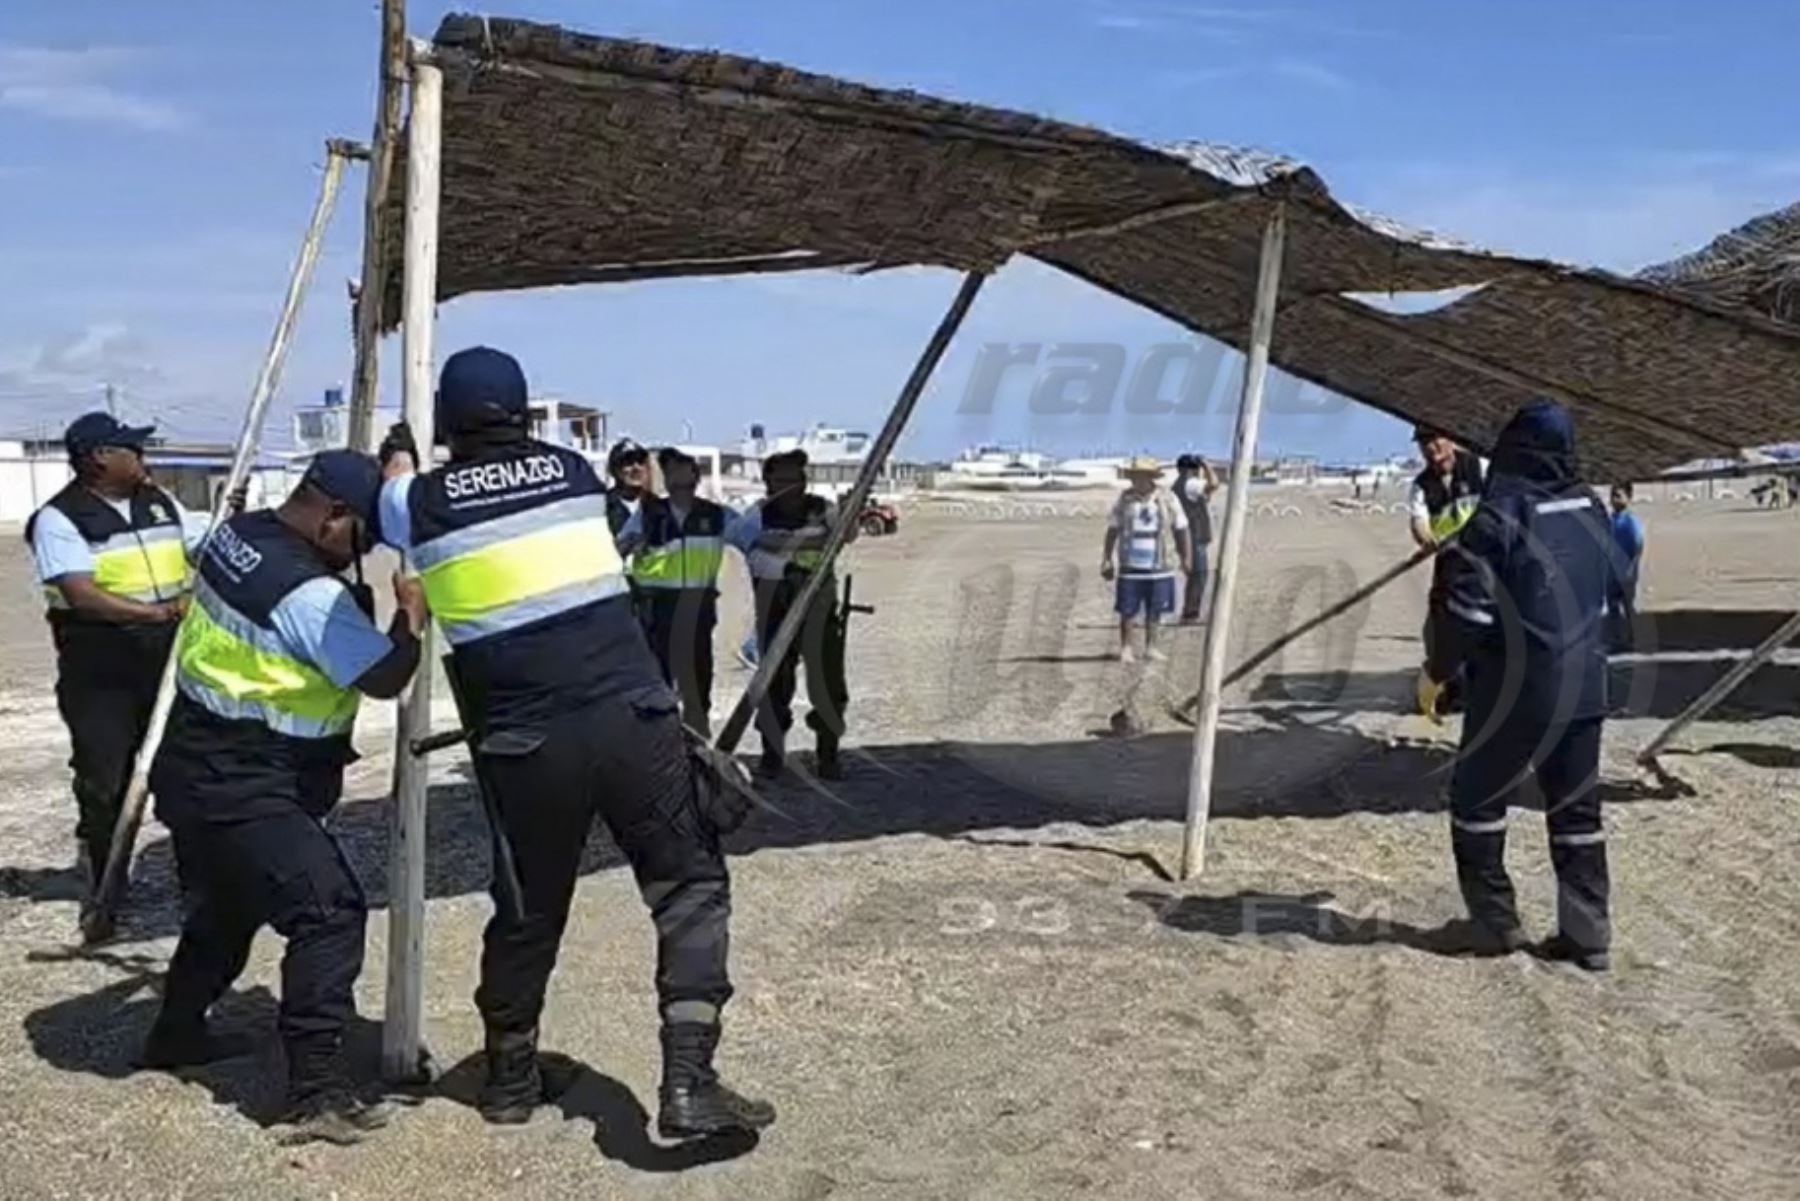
point(1755, 266)
point(575, 159)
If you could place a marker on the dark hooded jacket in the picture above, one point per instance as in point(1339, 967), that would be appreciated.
point(1528, 617)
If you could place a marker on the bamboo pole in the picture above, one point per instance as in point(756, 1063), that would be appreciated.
point(1237, 507)
point(1338, 609)
point(1723, 687)
point(771, 656)
point(402, 1034)
point(97, 923)
point(365, 376)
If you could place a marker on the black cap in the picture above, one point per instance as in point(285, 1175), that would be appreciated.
point(668, 456)
point(623, 449)
point(1423, 433)
point(345, 475)
point(1187, 462)
point(480, 388)
point(93, 431)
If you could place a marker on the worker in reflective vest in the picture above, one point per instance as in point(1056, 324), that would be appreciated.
point(781, 537)
point(1444, 497)
point(111, 553)
point(569, 717)
point(1527, 620)
point(676, 545)
point(270, 661)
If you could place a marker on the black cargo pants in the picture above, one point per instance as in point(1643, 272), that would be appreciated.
point(285, 871)
point(1492, 764)
point(679, 624)
point(820, 645)
point(106, 684)
point(623, 758)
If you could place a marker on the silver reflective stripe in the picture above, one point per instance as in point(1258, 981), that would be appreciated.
point(234, 709)
point(237, 625)
point(1469, 613)
point(132, 539)
point(501, 529)
point(534, 608)
point(1493, 827)
point(1579, 840)
point(1564, 506)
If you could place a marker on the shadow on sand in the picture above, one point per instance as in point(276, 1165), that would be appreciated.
point(1286, 763)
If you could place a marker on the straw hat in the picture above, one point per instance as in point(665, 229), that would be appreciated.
point(1142, 465)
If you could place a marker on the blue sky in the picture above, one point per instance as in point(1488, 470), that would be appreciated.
point(157, 163)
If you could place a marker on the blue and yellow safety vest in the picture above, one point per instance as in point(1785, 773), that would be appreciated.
point(231, 661)
point(520, 570)
point(143, 558)
point(677, 555)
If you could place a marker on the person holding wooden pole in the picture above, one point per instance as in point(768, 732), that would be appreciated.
point(568, 717)
point(1527, 620)
point(270, 661)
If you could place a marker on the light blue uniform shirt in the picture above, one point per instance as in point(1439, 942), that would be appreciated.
point(58, 549)
point(392, 512)
point(320, 623)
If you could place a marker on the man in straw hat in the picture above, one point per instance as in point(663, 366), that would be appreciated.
point(1149, 533)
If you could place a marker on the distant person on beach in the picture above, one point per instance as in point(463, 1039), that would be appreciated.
point(1628, 536)
point(1149, 534)
point(1195, 483)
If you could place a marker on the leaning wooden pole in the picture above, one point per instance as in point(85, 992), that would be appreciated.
point(1237, 510)
point(1723, 687)
point(402, 1032)
point(1337, 609)
point(770, 656)
point(98, 922)
point(372, 289)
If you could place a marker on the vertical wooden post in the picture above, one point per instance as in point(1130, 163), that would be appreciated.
point(770, 656)
point(365, 375)
point(97, 922)
point(1237, 509)
point(402, 1034)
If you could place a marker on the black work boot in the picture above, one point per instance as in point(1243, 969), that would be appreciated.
point(1560, 948)
point(694, 1102)
point(95, 926)
point(830, 767)
point(334, 1114)
point(514, 1087)
point(772, 763)
point(322, 1105)
point(176, 1043)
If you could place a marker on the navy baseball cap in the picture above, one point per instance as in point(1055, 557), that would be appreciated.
point(478, 388)
point(345, 475)
point(94, 431)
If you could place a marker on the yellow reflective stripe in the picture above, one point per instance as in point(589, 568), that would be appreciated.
point(1454, 518)
point(211, 656)
point(153, 569)
point(689, 563)
point(469, 586)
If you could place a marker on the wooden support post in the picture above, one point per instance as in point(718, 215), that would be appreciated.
point(1723, 687)
point(97, 923)
point(402, 1032)
point(770, 656)
point(364, 379)
point(1237, 510)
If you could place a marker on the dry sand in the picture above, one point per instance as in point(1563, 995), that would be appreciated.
point(963, 972)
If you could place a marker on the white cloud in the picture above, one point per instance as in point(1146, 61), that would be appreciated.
point(1299, 70)
point(79, 85)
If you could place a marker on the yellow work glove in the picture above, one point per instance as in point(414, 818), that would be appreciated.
point(1430, 692)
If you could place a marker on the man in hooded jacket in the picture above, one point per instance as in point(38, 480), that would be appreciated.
point(1526, 622)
